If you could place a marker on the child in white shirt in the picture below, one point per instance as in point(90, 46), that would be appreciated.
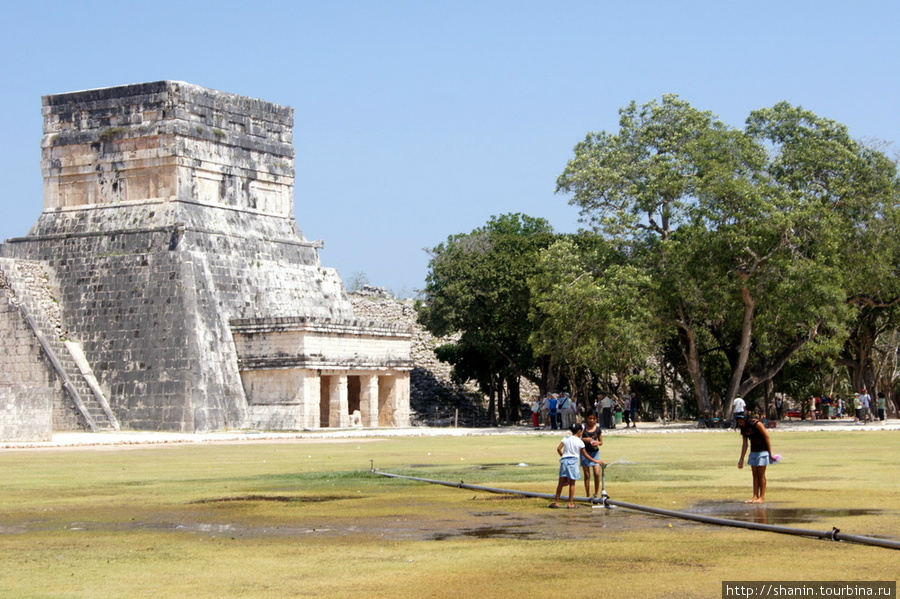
point(570, 449)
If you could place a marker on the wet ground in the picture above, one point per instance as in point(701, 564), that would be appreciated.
point(772, 513)
point(485, 516)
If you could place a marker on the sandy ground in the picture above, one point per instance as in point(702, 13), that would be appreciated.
point(124, 439)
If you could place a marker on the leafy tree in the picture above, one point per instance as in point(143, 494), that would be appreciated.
point(477, 289)
point(873, 250)
point(637, 183)
point(590, 311)
point(852, 192)
point(635, 188)
point(741, 231)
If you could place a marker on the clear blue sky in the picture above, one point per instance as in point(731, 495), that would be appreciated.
point(415, 120)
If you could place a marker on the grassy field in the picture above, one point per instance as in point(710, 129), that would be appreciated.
point(308, 519)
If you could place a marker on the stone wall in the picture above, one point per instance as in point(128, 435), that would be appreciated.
point(167, 140)
point(317, 344)
point(27, 385)
point(327, 368)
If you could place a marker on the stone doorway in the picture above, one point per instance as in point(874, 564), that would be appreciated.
point(354, 385)
point(324, 401)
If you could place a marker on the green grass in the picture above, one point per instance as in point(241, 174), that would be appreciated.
point(308, 519)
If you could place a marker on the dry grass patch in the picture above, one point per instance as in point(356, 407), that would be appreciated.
point(309, 520)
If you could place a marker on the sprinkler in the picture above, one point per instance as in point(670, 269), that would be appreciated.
point(603, 494)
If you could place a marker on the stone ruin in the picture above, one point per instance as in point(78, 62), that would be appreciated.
point(167, 286)
point(435, 398)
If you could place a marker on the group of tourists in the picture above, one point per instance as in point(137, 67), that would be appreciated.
point(559, 411)
point(608, 406)
point(554, 410)
point(865, 407)
point(862, 406)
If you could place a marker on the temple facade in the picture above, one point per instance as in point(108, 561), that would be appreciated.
point(167, 286)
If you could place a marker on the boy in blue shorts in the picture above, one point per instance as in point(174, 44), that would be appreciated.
point(570, 450)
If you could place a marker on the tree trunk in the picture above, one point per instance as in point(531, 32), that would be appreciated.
point(501, 401)
point(543, 384)
point(769, 408)
point(691, 352)
point(768, 371)
point(492, 402)
point(857, 357)
point(514, 399)
point(737, 373)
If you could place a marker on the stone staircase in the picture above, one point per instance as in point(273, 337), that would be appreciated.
point(27, 281)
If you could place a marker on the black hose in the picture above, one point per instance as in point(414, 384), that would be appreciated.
point(834, 534)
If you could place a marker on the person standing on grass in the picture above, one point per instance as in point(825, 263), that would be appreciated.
point(574, 410)
point(590, 462)
point(738, 406)
point(553, 405)
point(863, 401)
point(569, 450)
point(882, 405)
point(606, 405)
point(545, 410)
point(754, 433)
point(536, 413)
point(564, 408)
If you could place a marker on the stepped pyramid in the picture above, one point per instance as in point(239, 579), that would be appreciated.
point(183, 277)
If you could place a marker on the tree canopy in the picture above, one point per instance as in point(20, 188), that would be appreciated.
point(590, 312)
point(747, 234)
point(747, 251)
point(477, 288)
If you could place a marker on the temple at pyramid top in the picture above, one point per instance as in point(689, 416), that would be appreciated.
point(167, 140)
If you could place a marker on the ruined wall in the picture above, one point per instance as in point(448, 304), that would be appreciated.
point(323, 370)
